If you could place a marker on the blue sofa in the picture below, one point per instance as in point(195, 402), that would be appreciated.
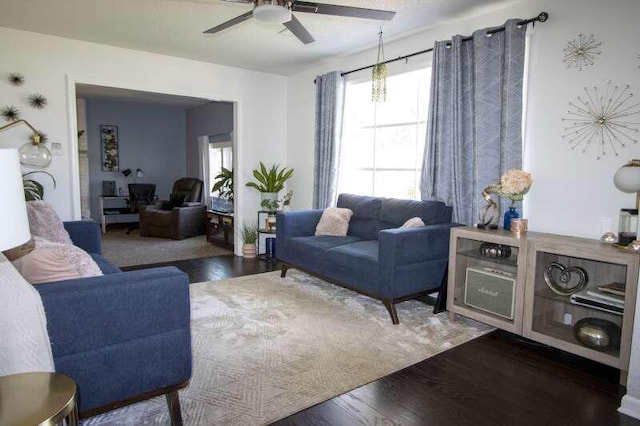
point(124, 336)
point(376, 257)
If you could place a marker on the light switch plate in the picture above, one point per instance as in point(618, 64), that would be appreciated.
point(56, 148)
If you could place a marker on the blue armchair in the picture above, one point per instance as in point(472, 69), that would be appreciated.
point(124, 336)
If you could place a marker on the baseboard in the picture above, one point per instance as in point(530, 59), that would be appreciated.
point(630, 406)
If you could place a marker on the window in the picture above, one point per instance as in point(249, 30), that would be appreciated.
point(220, 155)
point(383, 143)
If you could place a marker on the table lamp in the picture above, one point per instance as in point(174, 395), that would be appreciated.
point(14, 224)
point(627, 179)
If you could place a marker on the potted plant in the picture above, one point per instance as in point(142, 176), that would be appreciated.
point(270, 181)
point(249, 236)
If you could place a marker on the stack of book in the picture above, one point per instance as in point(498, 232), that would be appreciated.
point(608, 298)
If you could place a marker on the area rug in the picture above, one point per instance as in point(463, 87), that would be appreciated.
point(266, 347)
point(132, 249)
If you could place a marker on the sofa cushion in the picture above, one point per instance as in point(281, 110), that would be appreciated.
point(355, 263)
point(366, 210)
point(334, 221)
point(394, 212)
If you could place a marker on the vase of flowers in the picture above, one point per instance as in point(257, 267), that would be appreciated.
point(514, 184)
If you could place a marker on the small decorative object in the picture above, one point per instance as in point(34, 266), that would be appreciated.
point(597, 333)
point(609, 238)
point(634, 246)
point(495, 250)
point(379, 74)
point(37, 101)
point(509, 216)
point(519, 226)
point(565, 281)
point(10, 113)
point(627, 226)
point(110, 148)
point(602, 116)
point(581, 52)
point(286, 200)
point(16, 79)
point(270, 247)
point(514, 184)
point(489, 214)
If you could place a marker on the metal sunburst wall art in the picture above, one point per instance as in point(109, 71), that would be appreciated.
point(602, 118)
point(581, 52)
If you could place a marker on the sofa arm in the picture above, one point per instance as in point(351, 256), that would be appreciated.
point(404, 246)
point(85, 234)
point(297, 224)
point(90, 313)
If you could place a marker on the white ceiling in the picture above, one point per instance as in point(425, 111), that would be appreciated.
point(174, 27)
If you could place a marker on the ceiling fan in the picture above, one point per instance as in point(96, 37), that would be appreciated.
point(279, 11)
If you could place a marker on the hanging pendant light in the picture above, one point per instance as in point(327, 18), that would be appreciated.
point(379, 75)
point(34, 153)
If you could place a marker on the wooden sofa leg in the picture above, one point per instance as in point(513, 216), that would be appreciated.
point(173, 402)
point(391, 307)
point(283, 273)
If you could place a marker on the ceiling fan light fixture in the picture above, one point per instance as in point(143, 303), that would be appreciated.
point(271, 13)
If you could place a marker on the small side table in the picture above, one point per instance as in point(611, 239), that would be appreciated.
point(38, 399)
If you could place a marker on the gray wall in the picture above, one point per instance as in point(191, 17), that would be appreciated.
point(152, 138)
point(207, 119)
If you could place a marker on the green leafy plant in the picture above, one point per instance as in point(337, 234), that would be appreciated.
point(224, 184)
point(271, 180)
point(33, 190)
point(249, 233)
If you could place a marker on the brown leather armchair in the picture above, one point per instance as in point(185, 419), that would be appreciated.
point(177, 222)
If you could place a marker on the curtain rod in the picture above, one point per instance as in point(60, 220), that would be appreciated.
point(542, 17)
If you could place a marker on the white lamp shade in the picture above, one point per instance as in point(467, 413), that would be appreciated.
point(14, 224)
point(272, 13)
point(627, 178)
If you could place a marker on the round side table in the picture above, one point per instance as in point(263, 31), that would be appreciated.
point(29, 399)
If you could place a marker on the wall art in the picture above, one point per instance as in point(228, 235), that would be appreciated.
point(599, 120)
point(110, 148)
point(581, 52)
point(37, 101)
point(16, 79)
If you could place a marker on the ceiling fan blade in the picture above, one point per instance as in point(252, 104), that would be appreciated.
point(230, 23)
point(332, 9)
point(298, 30)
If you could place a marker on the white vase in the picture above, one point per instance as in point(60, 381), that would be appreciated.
point(271, 196)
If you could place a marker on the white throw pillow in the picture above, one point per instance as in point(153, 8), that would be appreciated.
point(56, 262)
point(334, 221)
point(414, 222)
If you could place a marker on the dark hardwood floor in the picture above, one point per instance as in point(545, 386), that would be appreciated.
point(497, 379)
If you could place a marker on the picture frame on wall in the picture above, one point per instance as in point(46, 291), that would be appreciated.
point(110, 148)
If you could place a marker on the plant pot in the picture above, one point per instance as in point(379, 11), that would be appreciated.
point(249, 250)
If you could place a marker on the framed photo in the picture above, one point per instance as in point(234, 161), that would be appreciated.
point(110, 148)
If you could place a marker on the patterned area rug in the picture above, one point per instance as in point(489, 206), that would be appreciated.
point(132, 249)
point(266, 347)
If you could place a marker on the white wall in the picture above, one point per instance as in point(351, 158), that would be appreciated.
point(572, 192)
point(51, 66)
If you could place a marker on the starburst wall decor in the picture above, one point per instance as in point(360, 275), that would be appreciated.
point(581, 52)
point(602, 118)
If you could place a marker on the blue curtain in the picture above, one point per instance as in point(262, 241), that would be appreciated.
point(474, 131)
point(329, 109)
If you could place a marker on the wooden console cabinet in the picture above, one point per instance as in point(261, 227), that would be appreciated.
point(511, 293)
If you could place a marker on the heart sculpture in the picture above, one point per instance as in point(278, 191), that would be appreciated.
point(565, 281)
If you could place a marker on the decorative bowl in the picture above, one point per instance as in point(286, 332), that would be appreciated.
point(597, 333)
